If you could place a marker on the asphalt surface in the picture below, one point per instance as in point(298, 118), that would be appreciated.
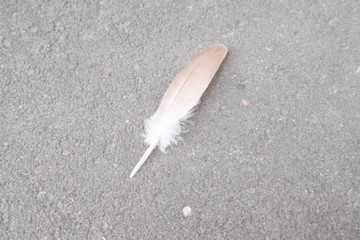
point(272, 153)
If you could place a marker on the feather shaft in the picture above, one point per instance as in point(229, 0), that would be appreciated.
point(143, 159)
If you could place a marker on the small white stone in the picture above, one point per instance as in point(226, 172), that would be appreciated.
point(187, 212)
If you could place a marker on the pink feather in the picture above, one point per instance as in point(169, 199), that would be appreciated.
point(177, 104)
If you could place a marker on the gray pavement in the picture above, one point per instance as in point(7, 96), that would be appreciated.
point(273, 151)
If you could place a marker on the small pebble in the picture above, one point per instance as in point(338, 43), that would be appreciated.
point(245, 102)
point(66, 152)
point(187, 212)
point(240, 86)
point(41, 196)
point(106, 225)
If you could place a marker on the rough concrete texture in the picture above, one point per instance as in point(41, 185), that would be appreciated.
point(273, 151)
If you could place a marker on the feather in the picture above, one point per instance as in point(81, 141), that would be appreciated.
point(183, 94)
